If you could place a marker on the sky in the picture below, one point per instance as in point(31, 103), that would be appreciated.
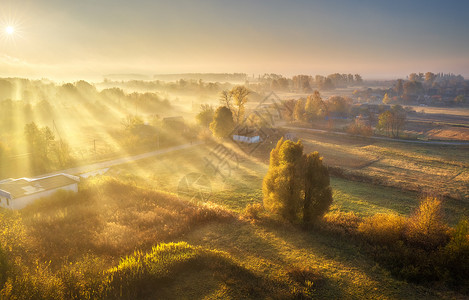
point(64, 39)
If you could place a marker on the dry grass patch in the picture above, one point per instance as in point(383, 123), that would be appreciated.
point(111, 217)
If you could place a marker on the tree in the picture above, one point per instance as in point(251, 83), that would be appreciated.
point(39, 141)
point(392, 121)
point(288, 111)
point(299, 110)
point(338, 105)
point(315, 106)
point(296, 186)
point(205, 116)
point(398, 121)
point(282, 183)
point(384, 121)
point(358, 79)
point(222, 124)
point(413, 77)
point(386, 99)
point(226, 99)
point(426, 227)
point(413, 87)
point(131, 121)
point(240, 97)
point(429, 77)
point(460, 99)
point(399, 87)
point(327, 84)
point(317, 189)
point(62, 151)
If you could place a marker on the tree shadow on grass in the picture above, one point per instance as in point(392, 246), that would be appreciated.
point(209, 275)
point(334, 264)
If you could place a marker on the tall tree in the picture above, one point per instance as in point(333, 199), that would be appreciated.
point(282, 184)
point(392, 121)
point(299, 110)
point(317, 189)
point(240, 97)
point(315, 106)
point(429, 77)
point(222, 124)
point(296, 186)
point(384, 122)
point(399, 87)
point(39, 142)
point(226, 99)
point(358, 79)
point(205, 116)
point(289, 108)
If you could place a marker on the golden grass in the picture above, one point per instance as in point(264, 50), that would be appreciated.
point(110, 217)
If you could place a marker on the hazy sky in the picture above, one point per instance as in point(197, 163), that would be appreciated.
point(88, 38)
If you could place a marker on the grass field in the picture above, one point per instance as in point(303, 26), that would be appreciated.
point(86, 242)
point(417, 167)
point(244, 184)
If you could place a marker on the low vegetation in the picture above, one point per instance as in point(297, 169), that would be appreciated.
point(61, 247)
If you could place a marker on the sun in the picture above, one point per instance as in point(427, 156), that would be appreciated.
point(10, 30)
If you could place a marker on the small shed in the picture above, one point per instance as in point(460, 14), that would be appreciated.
point(17, 193)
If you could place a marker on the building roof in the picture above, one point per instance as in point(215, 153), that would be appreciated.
point(26, 186)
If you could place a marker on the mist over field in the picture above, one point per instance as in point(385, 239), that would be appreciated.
point(234, 150)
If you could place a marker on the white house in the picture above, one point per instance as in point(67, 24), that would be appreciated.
point(247, 139)
point(17, 193)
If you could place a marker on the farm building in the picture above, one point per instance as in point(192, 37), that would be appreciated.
point(17, 193)
point(254, 135)
point(247, 139)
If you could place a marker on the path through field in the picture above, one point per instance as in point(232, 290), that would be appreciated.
point(107, 164)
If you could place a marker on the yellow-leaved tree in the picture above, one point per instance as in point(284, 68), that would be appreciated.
point(296, 186)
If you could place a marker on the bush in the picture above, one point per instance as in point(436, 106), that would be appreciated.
point(341, 222)
point(456, 254)
point(383, 228)
point(425, 228)
point(36, 282)
point(253, 211)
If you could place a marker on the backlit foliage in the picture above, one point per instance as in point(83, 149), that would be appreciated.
point(296, 186)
